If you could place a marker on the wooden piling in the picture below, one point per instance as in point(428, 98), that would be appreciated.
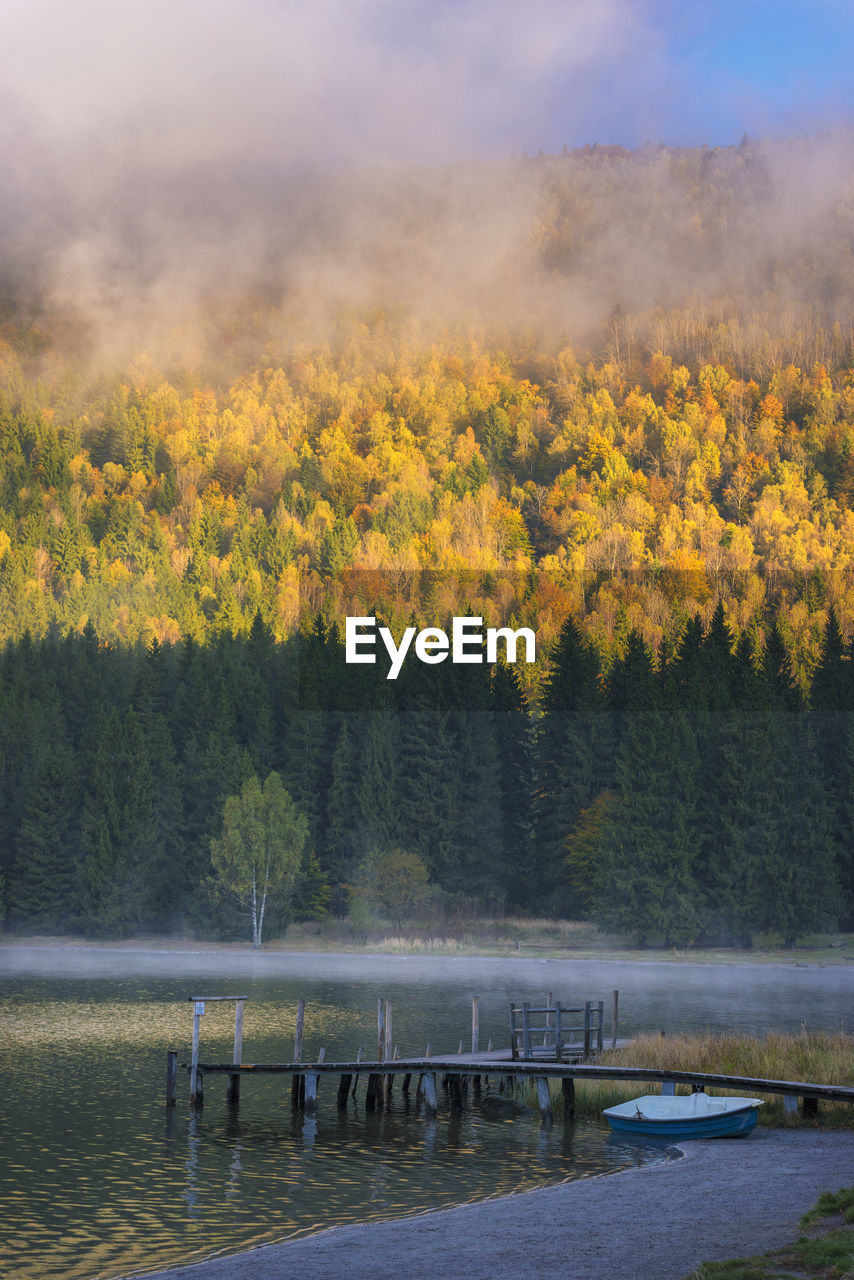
point(343, 1091)
point(195, 1090)
point(558, 1033)
point(373, 1091)
point(544, 1097)
point(568, 1088)
point(615, 1018)
point(171, 1077)
point(419, 1091)
point(310, 1091)
point(430, 1104)
point(387, 1036)
point(388, 1079)
point(298, 1081)
point(232, 1092)
point(356, 1076)
point(475, 1034)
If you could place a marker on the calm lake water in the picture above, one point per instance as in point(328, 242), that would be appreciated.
point(99, 1179)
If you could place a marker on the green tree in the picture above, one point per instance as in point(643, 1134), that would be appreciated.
point(394, 882)
point(259, 852)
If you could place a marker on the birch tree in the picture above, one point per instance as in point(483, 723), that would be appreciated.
point(258, 855)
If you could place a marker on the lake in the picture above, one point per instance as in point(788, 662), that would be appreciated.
point(99, 1179)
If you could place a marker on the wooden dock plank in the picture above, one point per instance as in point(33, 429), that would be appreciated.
point(470, 1064)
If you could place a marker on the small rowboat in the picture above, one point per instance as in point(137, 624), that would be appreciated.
point(661, 1115)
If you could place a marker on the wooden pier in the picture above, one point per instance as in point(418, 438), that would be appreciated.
point(539, 1052)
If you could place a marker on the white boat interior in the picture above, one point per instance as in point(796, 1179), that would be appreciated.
point(659, 1106)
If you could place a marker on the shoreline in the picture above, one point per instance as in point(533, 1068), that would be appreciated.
point(807, 958)
point(722, 1199)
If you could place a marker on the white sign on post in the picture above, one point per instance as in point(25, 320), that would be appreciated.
point(200, 1007)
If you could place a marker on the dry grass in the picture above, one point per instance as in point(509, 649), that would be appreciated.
point(812, 1057)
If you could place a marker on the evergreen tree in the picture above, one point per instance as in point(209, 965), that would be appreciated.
point(44, 883)
point(646, 884)
point(514, 738)
point(831, 712)
point(572, 754)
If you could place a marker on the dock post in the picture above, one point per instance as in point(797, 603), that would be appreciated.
point(455, 1091)
point(558, 1033)
point(587, 1021)
point(475, 1037)
point(232, 1094)
point(343, 1091)
point(373, 1090)
point(298, 1081)
point(196, 1094)
point(527, 1048)
point(430, 1103)
point(568, 1089)
point(310, 1091)
point(548, 1027)
point(420, 1088)
point(356, 1076)
point(171, 1076)
point(380, 1030)
point(388, 1080)
point(544, 1098)
point(614, 1018)
point(600, 1024)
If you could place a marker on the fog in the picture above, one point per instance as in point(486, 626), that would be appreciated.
point(176, 173)
point(673, 997)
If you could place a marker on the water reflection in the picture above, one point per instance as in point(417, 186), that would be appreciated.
point(96, 1181)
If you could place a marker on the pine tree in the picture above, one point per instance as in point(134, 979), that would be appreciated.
point(646, 883)
point(43, 885)
point(831, 711)
point(515, 740)
point(572, 755)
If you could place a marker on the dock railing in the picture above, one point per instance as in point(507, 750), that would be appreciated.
point(556, 1032)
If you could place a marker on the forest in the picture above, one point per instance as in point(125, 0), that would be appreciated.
point(647, 458)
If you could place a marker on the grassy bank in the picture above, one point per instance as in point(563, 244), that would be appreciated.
point(825, 1250)
point(575, 939)
point(816, 1057)
point(501, 937)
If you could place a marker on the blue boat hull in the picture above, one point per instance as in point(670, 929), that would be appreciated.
point(730, 1124)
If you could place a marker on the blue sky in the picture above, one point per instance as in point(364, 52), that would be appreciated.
point(767, 68)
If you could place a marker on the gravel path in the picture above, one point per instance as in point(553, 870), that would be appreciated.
point(721, 1200)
